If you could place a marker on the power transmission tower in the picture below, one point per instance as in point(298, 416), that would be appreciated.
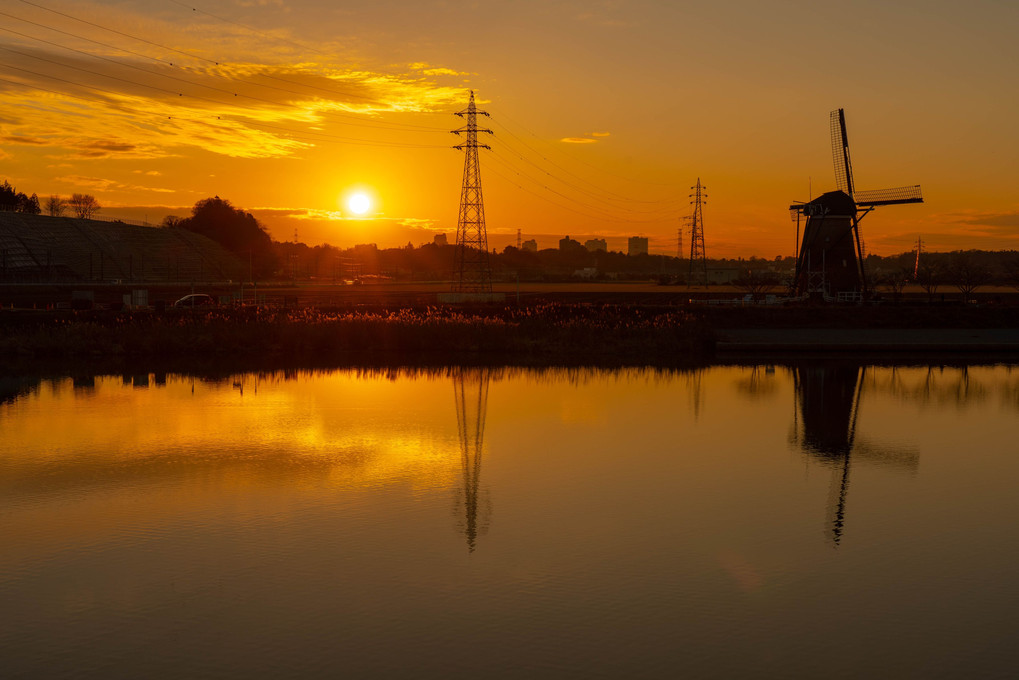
point(698, 259)
point(472, 271)
point(679, 243)
point(518, 239)
point(470, 388)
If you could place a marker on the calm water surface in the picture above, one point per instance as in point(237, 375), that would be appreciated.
point(825, 520)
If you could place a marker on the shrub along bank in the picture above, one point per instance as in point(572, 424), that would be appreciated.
point(544, 335)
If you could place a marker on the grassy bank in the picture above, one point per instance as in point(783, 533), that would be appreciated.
point(543, 335)
point(551, 334)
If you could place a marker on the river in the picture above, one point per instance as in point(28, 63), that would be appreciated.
point(825, 519)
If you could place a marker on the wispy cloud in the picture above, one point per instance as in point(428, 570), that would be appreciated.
point(419, 223)
point(102, 184)
point(158, 108)
point(1004, 220)
point(589, 138)
point(430, 70)
point(260, 3)
point(26, 141)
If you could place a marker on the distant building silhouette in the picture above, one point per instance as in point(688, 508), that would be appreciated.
point(722, 275)
point(530, 245)
point(568, 244)
point(636, 245)
point(440, 240)
point(596, 244)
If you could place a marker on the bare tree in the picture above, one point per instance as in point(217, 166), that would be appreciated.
point(967, 275)
point(55, 206)
point(757, 283)
point(85, 206)
point(929, 277)
point(1011, 267)
point(895, 281)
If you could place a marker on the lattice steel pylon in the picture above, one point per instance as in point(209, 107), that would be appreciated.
point(698, 259)
point(470, 388)
point(472, 271)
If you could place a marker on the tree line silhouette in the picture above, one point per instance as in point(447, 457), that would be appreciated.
point(83, 206)
point(244, 236)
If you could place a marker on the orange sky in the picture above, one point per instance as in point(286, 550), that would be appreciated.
point(604, 114)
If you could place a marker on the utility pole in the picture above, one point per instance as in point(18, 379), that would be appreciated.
point(916, 265)
point(698, 259)
point(472, 271)
point(518, 239)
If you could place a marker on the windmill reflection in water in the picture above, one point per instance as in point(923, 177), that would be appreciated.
point(827, 403)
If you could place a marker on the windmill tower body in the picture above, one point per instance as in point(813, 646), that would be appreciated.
point(829, 262)
point(472, 271)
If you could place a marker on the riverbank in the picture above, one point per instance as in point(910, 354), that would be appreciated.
point(256, 337)
point(840, 340)
point(250, 338)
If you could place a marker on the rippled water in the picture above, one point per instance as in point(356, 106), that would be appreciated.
point(824, 520)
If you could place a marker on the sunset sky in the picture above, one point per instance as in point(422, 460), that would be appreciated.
point(604, 114)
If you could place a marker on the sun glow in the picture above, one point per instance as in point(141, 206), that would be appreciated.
point(359, 203)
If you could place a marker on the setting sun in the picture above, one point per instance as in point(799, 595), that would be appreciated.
point(359, 203)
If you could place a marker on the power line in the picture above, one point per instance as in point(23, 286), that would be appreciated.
point(120, 33)
point(594, 216)
point(542, 197)
point(590, 165)
point(601, 190)
point(296, 133)
point(248, 28)
point(325, 136)
point(582, 190)
point(214, 62)
point(372, 124)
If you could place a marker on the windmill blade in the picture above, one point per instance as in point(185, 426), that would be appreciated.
point(875, 197)
point(840, 152)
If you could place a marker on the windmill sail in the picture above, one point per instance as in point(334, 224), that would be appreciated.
point(910, 194)
point(840, 152)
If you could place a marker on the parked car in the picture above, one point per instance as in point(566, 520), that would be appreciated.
point(195, 300)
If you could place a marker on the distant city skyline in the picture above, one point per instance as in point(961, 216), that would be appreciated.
point(604, 114)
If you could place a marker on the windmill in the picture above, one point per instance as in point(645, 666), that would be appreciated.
point(829, 263)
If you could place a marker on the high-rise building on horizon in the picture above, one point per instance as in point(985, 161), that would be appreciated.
point(636, 245)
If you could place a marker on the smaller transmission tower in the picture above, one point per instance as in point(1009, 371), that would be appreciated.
point(472, 272)
point(698, 259)
point(679, 243)
point(518, 239)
